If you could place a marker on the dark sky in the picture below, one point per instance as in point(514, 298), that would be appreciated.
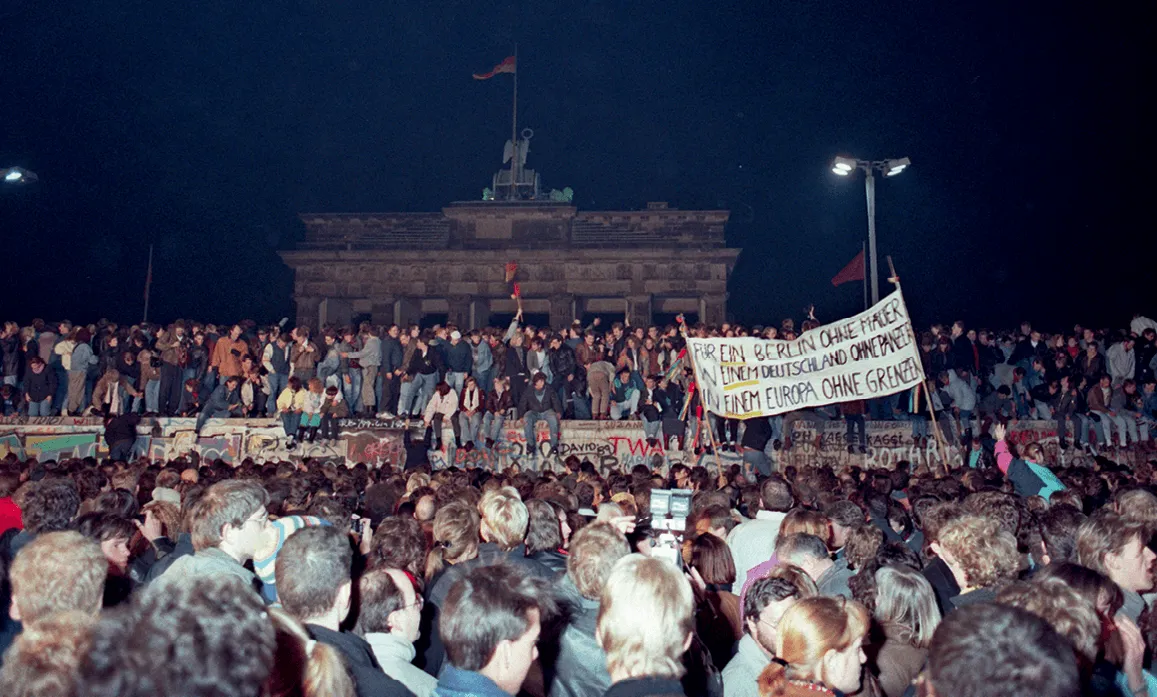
point(206, 126)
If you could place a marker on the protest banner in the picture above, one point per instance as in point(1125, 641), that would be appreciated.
point(869, 355)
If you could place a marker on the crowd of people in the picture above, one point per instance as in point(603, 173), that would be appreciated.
point(1019, 577)
point(1098, 386)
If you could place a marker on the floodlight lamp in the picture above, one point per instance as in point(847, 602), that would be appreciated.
point(896, 166)
point(843, 165)
point(17, 175)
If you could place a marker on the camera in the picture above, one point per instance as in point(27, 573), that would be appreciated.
point(669, 511)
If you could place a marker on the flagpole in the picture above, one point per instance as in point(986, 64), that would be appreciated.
point(514, 132)
point(148, 284)
point(864, 260)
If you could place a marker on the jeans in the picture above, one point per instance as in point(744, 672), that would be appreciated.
point(620, 410)
point(582, 407)
point(290, 421)
point(532, 418)
point(468, 427)
point(152, 395)
point(277, 384)
point(652, 429)
point(205, 416)
point(456, 381)
point(328, 427)
point(389, 398)
point(1109, 423)
point(122, 450)
point(352, 390)
point(492, 426)
point(170, 389)
point(405, 398)
point(485, 378)
point(919, 425)
point(41, 408)
point(421, 389)
point(60, 399)
point(757, 459)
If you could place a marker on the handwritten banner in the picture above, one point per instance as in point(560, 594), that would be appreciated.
point(870, 355)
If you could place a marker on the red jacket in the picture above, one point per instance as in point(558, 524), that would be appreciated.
point(10, 515)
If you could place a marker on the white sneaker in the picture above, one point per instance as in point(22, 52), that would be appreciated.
point(385, 415)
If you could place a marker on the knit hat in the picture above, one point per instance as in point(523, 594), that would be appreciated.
point(455, 335)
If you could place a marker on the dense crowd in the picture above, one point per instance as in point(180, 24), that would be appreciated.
point(1018, 577)
point(1098, 386)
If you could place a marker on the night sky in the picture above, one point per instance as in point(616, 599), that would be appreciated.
point(205, 127)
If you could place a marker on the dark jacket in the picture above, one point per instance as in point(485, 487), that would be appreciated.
point(120, 428)
point(490, 553)
point(645, 687)
point(368, 677)
point(459, 357)
point(183, 548)
point(555, 562)
point(391, 354)
point(40, 386)
point(562, 362)
point(425, 365)
point(581, 667)
point(496, 404)
point(650, 412)
point(531, 402)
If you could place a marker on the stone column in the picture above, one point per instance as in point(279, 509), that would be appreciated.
point(713, 308)
point(382, 311)
point(561, 311)
point(308, 314)
point(479, 313)
point(407, 311)
point(639, 310)
point(459, 311)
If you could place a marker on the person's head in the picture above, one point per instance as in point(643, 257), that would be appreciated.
point(844, 516)
point(763, 607)
point(231, 515)
point(37, 364)
point(905, 599)
point(808, 552)
point(195, 636)
point(544, 531)
point(645, 619)
point(979, 553)
point(57, 572)
point(987, 646)
point(490, 623)
point(539, 381)
point(112, 533)
point(232, 382)
point(43, 659)
point(1116, 546)
point(594, 551)
point(1058, 531)
point(819, 639)
point(315, 386)
point(388, 603)
point(775, 494)
point(50, 505)
point(455, 536)
point(235, 332)
point(804, 521)
point(863, 541)
point(313, 575)
point(711, 557)
point(1067, 612)
point(504, 518)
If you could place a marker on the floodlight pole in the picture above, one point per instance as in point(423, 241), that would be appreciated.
point(870, 191)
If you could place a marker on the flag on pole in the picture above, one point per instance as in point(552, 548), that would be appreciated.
point(854, 271)
point(506, 66)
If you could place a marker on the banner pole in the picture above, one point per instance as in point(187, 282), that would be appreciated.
point(942, 445)
point(702, 403)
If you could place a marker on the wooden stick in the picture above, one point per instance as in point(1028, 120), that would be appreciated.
point(703, 404)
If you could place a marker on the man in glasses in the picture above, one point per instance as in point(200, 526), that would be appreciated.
point(765, 603)
point(390, 617)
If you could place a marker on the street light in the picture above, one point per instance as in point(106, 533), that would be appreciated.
point(18, 175)
point(844, 166)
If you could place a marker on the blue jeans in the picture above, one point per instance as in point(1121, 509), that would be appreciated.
point(290, 421)
point(582, 406)
point(121, 450)
point(277, 384)
point(468, 428)
point(353, 391)
point(456, 381)
point(205, 416)
point(152, 395)
point(60, 399)
point(485, 378)
point(405, 397)
point(651, 429)
point(421, 389)
point(757, 459)
point(532, 418)
point(492, 426)
point(919, 425)
point(41, 408)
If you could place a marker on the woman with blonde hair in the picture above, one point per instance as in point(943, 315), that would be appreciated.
point(906, 610)
point(819, 649)
point(303, 667)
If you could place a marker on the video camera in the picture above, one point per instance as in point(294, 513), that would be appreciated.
point(669, 511)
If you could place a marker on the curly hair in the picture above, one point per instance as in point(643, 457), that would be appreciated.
point(44, 657)
point(983, 551)
point(51, 505)
point(399, 543)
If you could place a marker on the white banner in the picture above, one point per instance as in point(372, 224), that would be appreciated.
point(870, 355)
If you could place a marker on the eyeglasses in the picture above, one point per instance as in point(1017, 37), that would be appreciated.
point(418, 602)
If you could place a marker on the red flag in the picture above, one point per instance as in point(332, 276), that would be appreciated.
point(506, 66)
point(854, 271)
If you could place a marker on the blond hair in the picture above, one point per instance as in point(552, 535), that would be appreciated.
point(804, 521)
point(593, 552)
point(645, 618)
point(1055, 602)
point(504, 517)
point(302, 666)
point(1106, 532)
point(807, 631)
point(57, 572)
point(985, 553)
point(44, 658)
point(905, 598)
point(455, 537)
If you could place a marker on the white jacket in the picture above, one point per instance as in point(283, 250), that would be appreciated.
point(446, 406)
point(1122, 363)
